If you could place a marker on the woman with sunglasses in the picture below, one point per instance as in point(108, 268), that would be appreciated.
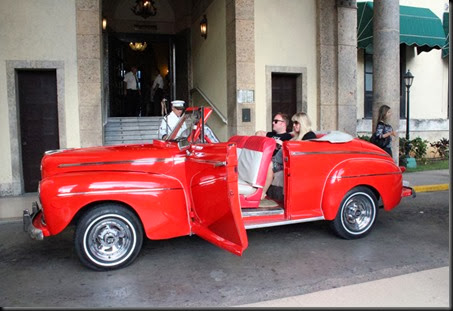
point(301, 131)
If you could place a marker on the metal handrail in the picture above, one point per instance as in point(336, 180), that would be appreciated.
point(222, 117)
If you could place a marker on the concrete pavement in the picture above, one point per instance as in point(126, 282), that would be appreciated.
point(429, 288)
point(424, 181)
point(424, 289)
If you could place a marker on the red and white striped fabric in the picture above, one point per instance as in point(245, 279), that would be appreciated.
point(253, 162)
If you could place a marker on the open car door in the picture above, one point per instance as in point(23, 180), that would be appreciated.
point(215, 211)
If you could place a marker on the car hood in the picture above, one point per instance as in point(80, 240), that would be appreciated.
point(153, 158)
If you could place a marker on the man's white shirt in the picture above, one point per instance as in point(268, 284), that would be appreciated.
point(130, 80)
point(158, 81)
point(168, 123)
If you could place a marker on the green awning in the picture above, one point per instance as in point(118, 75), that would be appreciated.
point(419, 27)
point(446, 47)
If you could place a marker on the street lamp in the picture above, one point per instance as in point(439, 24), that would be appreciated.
point(408, 78)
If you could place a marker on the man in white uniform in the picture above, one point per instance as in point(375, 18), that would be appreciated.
point(171, 120)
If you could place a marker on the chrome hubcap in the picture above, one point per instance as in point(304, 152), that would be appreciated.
point(109, 239)
point(358, 213)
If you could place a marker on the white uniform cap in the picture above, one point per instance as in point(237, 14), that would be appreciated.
point(178, 103)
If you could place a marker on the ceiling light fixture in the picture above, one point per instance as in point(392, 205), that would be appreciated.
point(138, 46)
point(144, 8)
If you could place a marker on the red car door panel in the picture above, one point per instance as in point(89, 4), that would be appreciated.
point(212, 180)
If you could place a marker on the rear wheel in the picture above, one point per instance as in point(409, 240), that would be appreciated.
point(356, 215)
point(108, 237)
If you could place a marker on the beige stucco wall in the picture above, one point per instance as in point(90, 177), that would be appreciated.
point(430, 87)
point(42, 30)
point(429, 91)
point(285, 35)
point(209, 62)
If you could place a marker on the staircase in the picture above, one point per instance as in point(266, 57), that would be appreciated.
point(131, 130)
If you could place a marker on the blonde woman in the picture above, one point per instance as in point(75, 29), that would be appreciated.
point(301, 131)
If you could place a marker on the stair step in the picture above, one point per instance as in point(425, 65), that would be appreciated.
point(131, 130)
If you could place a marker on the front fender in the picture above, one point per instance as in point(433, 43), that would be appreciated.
point(380, 175)
point(158, 200)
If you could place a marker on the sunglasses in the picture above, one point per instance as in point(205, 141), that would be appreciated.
point(276, 121)
point(296, 122)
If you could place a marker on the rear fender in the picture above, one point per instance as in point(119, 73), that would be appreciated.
point(380, 175)
point(158, 200)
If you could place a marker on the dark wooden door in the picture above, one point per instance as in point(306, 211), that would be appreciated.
point(117, 71)
point(182, 50)
point(284, 94)
point(38, 121)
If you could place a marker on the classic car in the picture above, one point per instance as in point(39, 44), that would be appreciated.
point(115, 196)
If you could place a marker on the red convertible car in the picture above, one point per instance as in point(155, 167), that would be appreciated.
point(189, 184)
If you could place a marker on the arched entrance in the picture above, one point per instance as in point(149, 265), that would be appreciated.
point(167, 51)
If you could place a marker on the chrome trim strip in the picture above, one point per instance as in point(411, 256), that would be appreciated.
point(114, 191)
point(282, 223)
point(133, 162)
point(298, 153)
point(215, 163)
point(211, 181)
point(250, 212)
point(364, 175)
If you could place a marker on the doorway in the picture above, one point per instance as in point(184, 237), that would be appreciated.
point(121, 57)
point(38, 113)
point(284, 94)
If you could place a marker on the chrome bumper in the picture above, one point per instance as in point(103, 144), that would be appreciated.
point(408, 190)
point(33, 232)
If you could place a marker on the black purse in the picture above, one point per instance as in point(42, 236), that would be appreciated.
point(380, 142)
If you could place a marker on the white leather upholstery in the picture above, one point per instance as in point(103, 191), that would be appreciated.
point(248, 166)
point(335, 137)
point(245, 188)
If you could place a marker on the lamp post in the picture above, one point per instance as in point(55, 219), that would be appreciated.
point(408, 78)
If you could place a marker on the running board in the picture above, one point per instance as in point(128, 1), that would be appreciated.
point(250, 212)
point(282, 223)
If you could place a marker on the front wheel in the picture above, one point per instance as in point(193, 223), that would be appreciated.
point(356, 215)
point(108, 237)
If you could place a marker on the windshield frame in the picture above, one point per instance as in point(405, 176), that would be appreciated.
point(197, 117)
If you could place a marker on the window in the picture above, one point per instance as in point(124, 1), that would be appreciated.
point(368, 84)
point(368, 87)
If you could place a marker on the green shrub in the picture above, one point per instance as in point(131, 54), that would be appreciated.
point(417, 147)
point(364, 137)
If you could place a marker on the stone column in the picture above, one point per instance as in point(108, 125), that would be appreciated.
point(88, 21)
point(347, 66)
point(327, 59)
point(240, 37)
point(386, 63)
point(337, 56)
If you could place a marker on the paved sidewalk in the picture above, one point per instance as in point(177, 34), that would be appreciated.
point(424, 181)
point(424, 289)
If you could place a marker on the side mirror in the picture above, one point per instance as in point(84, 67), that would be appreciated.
point(183, 144)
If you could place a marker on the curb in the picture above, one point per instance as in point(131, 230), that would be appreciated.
point(429, 188)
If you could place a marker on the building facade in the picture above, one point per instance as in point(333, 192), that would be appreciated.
point(61, 71)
